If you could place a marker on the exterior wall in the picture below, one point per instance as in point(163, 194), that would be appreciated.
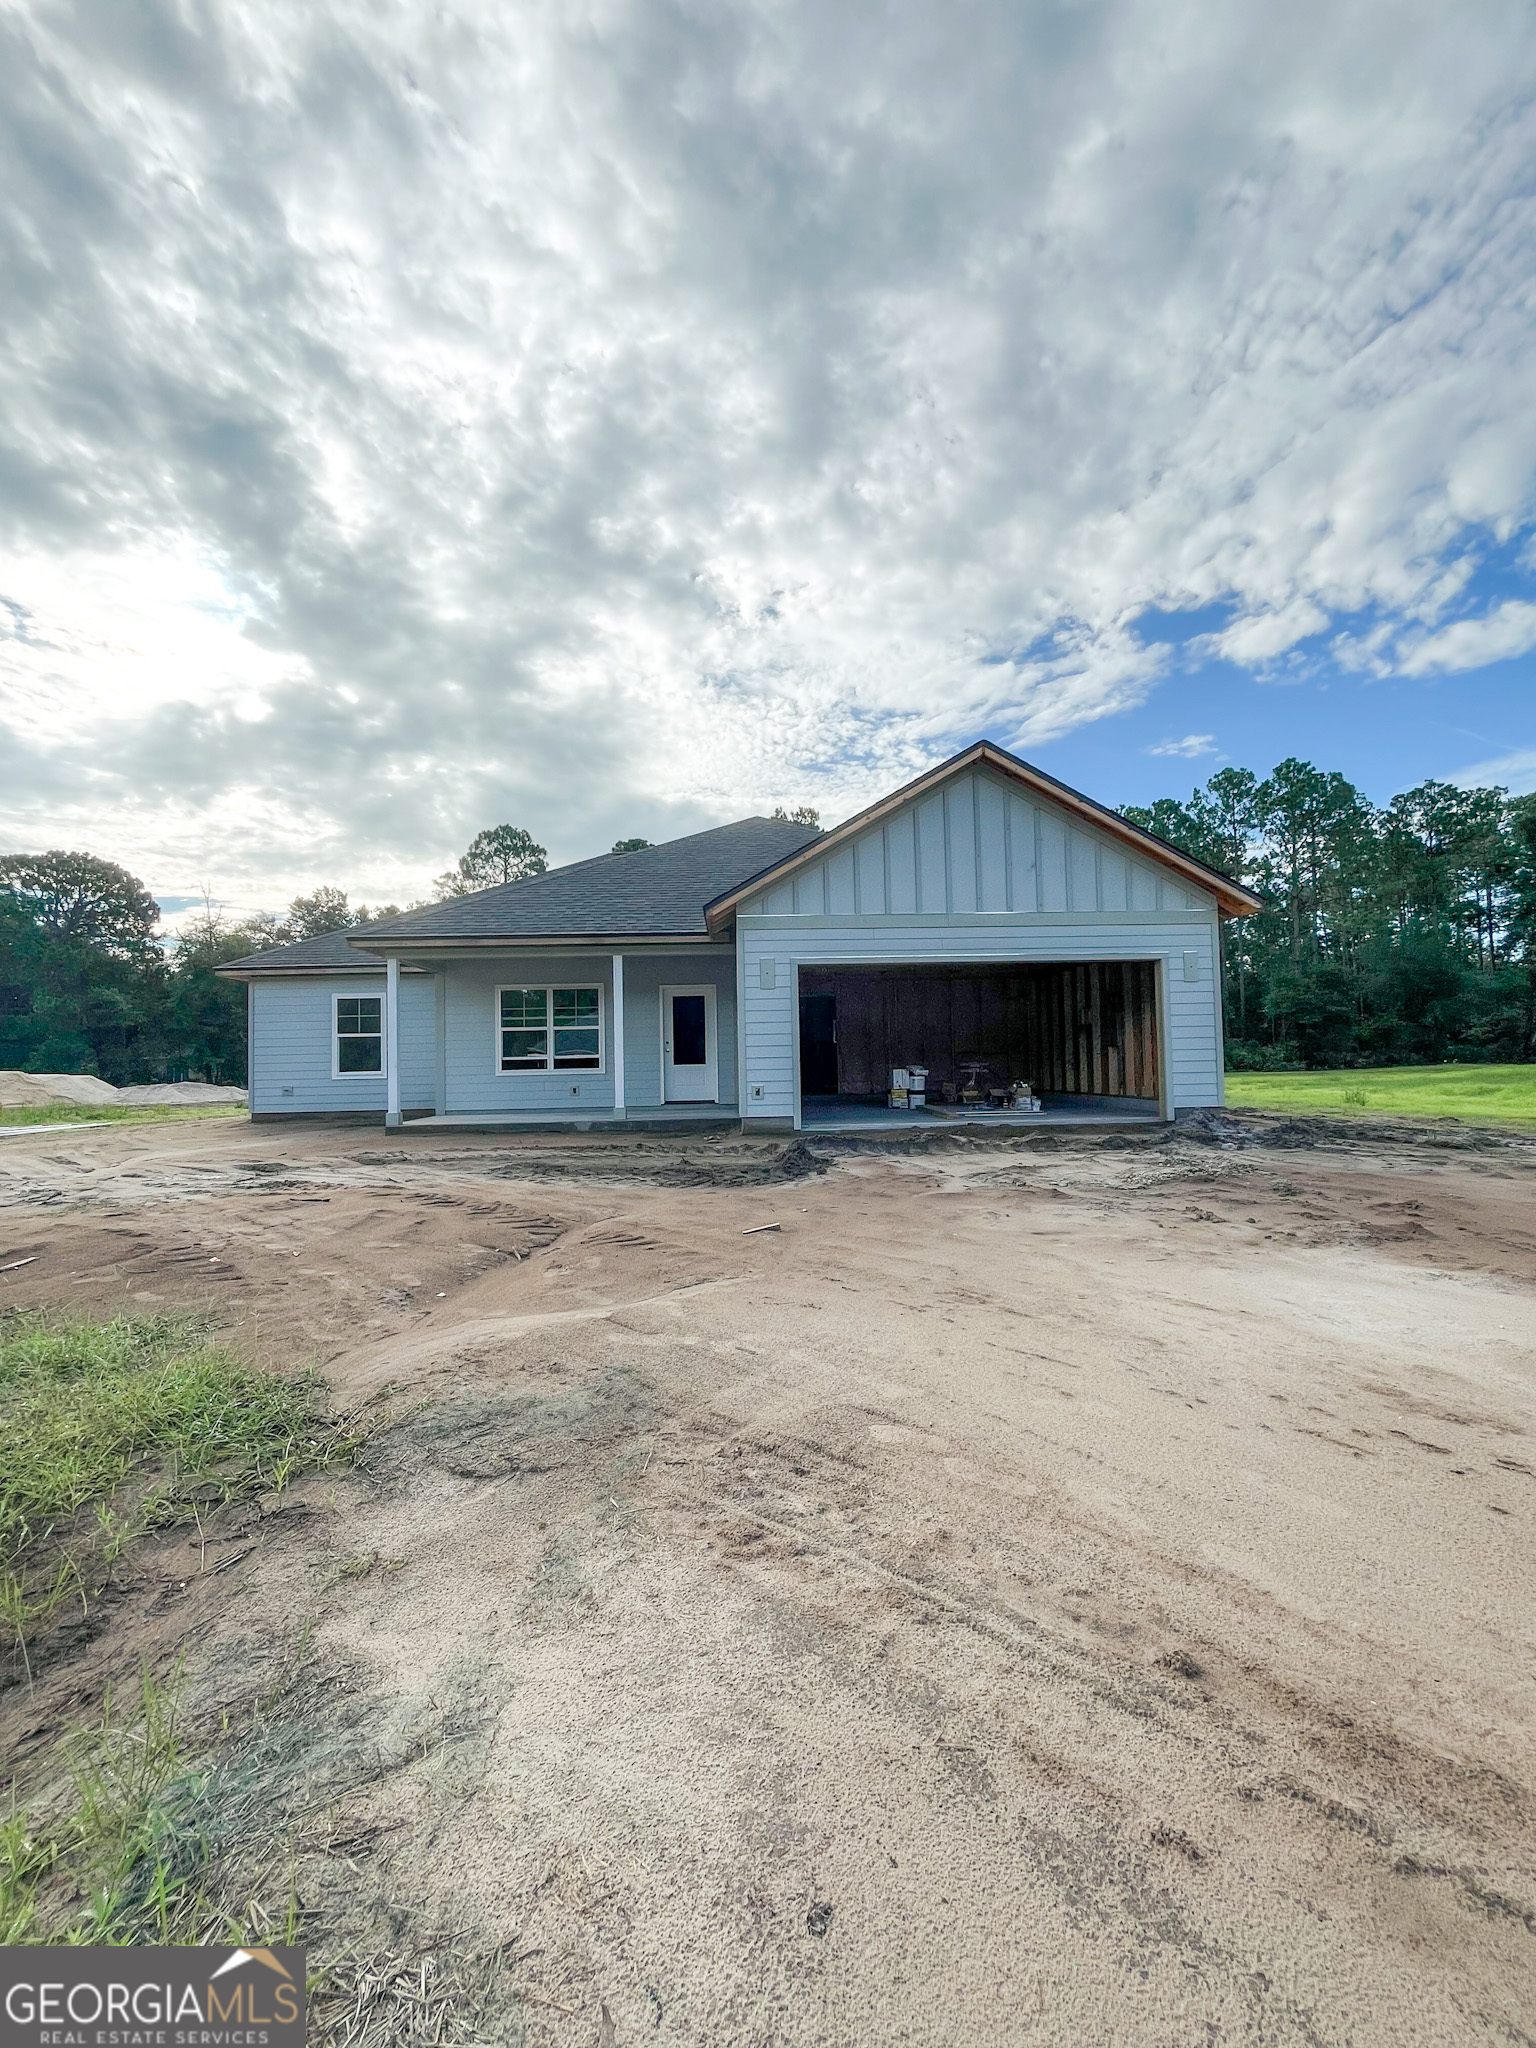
point(471, 1084)
point(777, 946)
point(645, 976)
point(292, 1054)
point(448, 1036)
point(978, 845)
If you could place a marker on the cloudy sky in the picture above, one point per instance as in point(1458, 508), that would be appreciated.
point(616, 416)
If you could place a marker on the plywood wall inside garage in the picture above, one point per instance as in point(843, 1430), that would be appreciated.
point(1071, 1029)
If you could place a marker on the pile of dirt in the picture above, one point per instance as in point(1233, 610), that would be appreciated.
point(168, 1092)
point(47, 1091)
point(86, 1091)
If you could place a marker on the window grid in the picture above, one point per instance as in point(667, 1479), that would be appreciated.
point(549, 1029)
point(358, 1035)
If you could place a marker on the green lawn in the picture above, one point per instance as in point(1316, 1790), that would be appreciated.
point(1489, 1095)
point(109, 1113)
point(113, 1431)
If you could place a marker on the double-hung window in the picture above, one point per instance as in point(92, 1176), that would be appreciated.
point(359, 1034)
point(549, 1030)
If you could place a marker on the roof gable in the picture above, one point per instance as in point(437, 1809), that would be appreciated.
point(985, 832)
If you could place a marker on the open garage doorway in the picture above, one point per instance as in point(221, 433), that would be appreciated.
point(1083, 1035)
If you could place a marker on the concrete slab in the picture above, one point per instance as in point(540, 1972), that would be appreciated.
point(671, 1116)
point(858, 1116)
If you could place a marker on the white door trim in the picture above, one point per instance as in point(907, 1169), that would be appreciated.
point(710, 1072)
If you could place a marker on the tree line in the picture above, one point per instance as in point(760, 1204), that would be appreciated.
point(1389, 936)
point(90, 985)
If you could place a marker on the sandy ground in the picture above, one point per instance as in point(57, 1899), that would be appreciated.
point(1068, 1591)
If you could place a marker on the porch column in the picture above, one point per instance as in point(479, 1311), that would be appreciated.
point(392, 1045)
point(616, 1035)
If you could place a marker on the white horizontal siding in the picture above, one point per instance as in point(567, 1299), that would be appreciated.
point(770, 1020)
point(472, 1082)
point(292, 1020)
point(977, 844)
point(292, 1057)
point(645, 976)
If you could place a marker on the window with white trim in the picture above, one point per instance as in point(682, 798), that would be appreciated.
point(549, 1029)
point(359, 1034)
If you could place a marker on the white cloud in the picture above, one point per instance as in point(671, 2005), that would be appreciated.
point(1262, 636)
point(1473, 643)
point(1515, 772)
point(615, 417)
point(1190, 748)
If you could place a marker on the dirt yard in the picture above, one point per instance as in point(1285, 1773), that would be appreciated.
point(1062, 1590)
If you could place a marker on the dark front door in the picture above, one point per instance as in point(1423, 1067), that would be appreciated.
point(818, 1045)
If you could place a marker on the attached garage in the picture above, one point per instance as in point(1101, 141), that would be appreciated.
point(1080, 1031)
point(996, 927)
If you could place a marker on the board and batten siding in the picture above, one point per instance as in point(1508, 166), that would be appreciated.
point(977, 845)
point(978, 872)
point(292, 1052)
point(770, 1019)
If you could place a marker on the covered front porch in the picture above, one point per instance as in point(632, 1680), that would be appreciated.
point(526, 1037)
point(666, 1116)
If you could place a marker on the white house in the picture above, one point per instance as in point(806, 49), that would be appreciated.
point(985, 922)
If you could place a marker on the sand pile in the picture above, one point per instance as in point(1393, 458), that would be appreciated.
point(42, 1091)
point(178, 1091)
point(47, 1091)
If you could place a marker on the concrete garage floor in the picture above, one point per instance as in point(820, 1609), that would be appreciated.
point(1034, 1593)
point(829, 1113)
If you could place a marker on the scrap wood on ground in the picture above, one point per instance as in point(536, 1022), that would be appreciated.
point(1120, 1537)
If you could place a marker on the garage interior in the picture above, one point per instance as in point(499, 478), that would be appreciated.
point(1084, 1034)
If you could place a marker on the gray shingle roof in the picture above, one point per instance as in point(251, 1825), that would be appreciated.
point(331, 950)
point(659, 891)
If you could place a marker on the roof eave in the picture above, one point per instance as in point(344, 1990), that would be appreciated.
point(234, 971)
point(536, 941)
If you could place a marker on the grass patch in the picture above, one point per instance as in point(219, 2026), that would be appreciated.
point(1476, 1094)
point(121, 1852)
point(112, 1113)
point(115, 1428)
